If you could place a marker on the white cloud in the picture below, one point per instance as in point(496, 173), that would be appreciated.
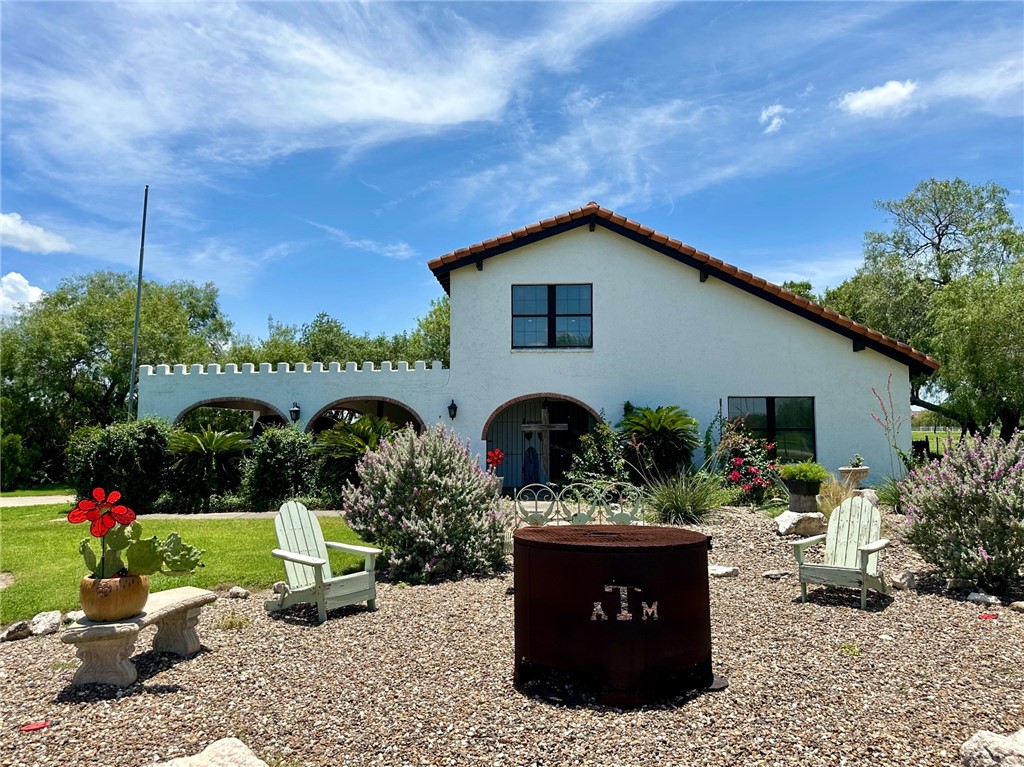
point(997, 87)
point(890, 100)
point(399, 251)
point(772, 117)
point(17, 233)
point(16, 291)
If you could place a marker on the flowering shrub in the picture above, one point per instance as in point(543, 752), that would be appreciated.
point(747, 463)
point(428, 503)
point(966, 511)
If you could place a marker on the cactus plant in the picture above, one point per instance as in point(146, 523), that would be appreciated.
point(121, 539)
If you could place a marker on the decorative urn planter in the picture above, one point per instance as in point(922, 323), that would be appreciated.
point(113, 599)
point(853, 475)
point(803, 495)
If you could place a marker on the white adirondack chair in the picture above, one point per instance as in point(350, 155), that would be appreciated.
point(308, 570)
point(852, 544)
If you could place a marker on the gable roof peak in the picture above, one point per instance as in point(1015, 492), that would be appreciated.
point(592, 213)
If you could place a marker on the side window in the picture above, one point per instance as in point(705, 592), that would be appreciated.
point(786, 421)
point(552, 316)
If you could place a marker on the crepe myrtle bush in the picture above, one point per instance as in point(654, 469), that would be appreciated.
point(427, 502)
point(965, 511)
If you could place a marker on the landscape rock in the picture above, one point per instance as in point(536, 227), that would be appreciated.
point(981, 598)
point(868, 493)
point(226, 752)
point(1017, 607)
point(45, 623)
point(989, 749)
point(959, 584)
point(237, 592)
point(796, 523)
point(775, 575)
point(721, 571)
point(17, 630)
point(905, 581)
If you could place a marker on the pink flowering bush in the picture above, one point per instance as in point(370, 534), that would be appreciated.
point(425, 499)
point(966, 511)
point(747, 463)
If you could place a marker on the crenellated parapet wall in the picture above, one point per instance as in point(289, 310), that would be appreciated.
point(169, 391)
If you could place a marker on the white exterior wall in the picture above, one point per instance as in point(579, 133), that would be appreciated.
point(661, 337)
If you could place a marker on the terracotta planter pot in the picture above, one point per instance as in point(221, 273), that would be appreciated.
point(113, 599)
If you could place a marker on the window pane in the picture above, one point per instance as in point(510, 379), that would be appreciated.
point(794, 413)
point(572, 331)
point(529, 299)
point(795, 445)
point(572, 299)
point(753, 411)
point(529, 331)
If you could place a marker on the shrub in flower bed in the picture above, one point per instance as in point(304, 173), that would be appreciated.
point(747, 463)
point(427, 502)
point(280, 466)
point(966, 511)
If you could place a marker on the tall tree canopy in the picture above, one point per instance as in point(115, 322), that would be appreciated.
point(936, 280)
point(66, 357)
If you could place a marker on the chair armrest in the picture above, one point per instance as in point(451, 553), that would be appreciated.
point(871, 548)
point(352, 548)
point(299, 559)
point(804, 543)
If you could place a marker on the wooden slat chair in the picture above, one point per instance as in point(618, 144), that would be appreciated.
point(852, 544)
point(308, 570)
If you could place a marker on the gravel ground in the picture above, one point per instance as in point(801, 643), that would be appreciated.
point(426, 680)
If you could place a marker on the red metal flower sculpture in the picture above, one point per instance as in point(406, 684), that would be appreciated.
point(102, 512)
point(495, 458)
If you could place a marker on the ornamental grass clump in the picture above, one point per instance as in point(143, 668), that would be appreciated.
point(427, 502)
point(966, 511)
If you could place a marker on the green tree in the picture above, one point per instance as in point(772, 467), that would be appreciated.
point(66, 357)
point(432, 338)
point(801, 288)
point(945, 236)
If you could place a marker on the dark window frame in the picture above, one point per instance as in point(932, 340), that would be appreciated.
point(771, 429)
point(552, 315)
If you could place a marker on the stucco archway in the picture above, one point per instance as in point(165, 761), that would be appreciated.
point(537, 433)
point(394, 410)
point(235, 403)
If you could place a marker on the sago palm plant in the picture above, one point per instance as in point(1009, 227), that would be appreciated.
point(207, 463)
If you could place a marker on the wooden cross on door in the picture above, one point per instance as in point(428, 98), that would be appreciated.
point(540, 429)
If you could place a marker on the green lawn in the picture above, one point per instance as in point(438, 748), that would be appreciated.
point(40, 548)
point(936, 439)
point(39, 490)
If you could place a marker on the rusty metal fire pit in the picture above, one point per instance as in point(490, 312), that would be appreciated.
point(622, 608)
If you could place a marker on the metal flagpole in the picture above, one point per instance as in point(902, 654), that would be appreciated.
point(138, 306)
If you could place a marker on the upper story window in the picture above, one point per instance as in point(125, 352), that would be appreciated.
point(552, 316)
point(786, 421)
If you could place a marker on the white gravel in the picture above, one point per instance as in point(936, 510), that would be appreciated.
point(426, 680)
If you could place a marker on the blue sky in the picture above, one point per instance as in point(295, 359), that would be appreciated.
point(313, 157)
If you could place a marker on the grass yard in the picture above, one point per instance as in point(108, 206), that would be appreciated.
point(936, 439)
point(51, 489)
point(40, 549)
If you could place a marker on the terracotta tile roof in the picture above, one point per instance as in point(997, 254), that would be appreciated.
point(594, 214)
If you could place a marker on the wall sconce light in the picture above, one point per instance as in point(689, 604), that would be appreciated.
point(294, 411)
point(453, 409)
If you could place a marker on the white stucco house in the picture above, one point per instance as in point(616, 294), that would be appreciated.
point(559, 322)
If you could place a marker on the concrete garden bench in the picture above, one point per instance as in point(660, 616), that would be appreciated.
point(105, 649)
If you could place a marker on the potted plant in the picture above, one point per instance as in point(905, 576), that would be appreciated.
point(853, 474)
point(118, 584)
point(803, 480)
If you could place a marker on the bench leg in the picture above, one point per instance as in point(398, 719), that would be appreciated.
point(177, 633)
point(107, 661)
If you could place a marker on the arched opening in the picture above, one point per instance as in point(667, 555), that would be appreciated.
point(538, 434)
point(349, 409)
point(231, 414)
